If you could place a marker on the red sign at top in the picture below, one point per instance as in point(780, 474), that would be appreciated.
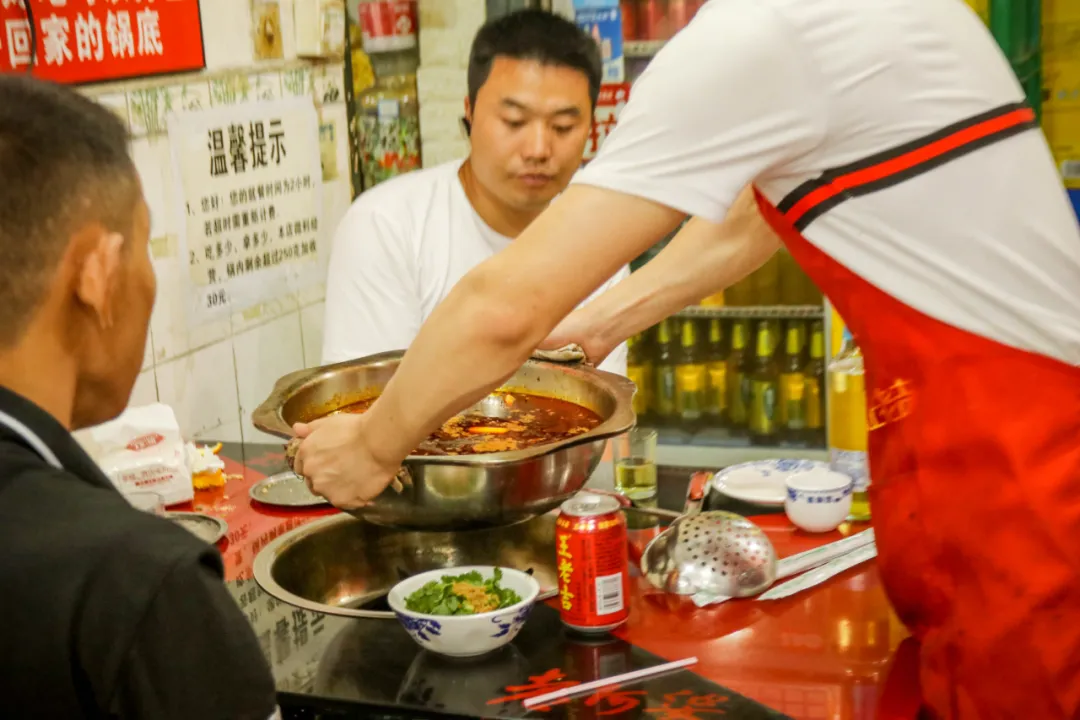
point(80, 41)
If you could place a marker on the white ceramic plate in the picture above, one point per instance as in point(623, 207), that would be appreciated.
point(760, 482)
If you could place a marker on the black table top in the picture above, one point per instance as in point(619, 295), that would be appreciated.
point(332, 667)
point(373, 667)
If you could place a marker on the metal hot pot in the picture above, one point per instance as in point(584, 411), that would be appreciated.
point(466, 491)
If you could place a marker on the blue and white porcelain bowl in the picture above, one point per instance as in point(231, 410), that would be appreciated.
point(465, 635)
point(818, 500)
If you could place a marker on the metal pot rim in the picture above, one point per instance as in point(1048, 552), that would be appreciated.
point(267, 417)
point(263, 566)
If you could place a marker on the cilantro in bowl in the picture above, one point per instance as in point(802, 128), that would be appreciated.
point(467, 594)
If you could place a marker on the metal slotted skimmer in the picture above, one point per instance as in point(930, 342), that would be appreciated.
point(715, 552)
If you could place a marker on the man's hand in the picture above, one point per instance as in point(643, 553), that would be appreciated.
point(335, 460)
point(578, 328)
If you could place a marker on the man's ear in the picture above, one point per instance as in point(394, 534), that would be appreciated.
point(466, 122)
point(98, 270)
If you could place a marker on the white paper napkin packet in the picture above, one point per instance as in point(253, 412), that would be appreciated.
point(143, 450)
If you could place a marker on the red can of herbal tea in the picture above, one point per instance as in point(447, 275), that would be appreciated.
point(592, 563)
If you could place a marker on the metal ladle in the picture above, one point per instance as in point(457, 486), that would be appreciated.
point(716, 552)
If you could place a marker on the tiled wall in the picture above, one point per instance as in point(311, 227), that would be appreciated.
point(447, 28)
point(214, 375)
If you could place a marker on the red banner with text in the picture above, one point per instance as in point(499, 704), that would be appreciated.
point(82, 41)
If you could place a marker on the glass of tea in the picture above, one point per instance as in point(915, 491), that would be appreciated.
point(635, 464)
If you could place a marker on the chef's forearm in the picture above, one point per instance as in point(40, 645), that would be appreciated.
point(498, 313)
point(422, 394)
point(700, 260)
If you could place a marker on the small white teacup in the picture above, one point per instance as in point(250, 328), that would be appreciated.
point(818, 500)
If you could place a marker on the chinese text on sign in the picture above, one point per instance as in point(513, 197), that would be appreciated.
point(78, 41)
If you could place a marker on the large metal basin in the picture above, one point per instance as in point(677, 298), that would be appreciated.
point(460, 492)
point(345, 566)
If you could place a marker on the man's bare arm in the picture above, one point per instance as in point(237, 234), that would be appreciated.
point(495, 316)
point(701, 259)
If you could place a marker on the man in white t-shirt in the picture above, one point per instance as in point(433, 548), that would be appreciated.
point(533, 81)
point(888, 146)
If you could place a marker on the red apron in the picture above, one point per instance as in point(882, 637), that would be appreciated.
point(975, 465)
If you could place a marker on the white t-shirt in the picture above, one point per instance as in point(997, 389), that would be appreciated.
point(397, 253)
point(781, 91)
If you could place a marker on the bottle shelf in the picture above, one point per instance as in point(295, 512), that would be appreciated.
point(786, 312)
point(693, 455)
point(722, 438)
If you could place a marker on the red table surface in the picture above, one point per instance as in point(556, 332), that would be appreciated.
point(822, 654)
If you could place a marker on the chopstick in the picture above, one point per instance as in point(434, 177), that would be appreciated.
point(821, 573)
point(551, 697)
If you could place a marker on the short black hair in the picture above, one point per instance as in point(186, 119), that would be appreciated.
point(64, 162)
point(538, 35)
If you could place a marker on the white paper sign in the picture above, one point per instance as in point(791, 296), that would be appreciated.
point(249, 181)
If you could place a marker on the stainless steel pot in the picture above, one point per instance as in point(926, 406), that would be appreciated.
point(457, 492)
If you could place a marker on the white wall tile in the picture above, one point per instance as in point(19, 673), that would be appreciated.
point(444, 46)
point(145, 390)
point(193, 368)
point(316, 292)
point(263, 355)
point(169, 325)
point(201, 388)
point(330, 85)
point(447, 28)
point(192, 95)
point(174, 334)
point(311, 323)
point(148, 352)
point(437, 152)
point(230, 432)
point(338, 114)
point(154, 162)
point(298, 82)
point(443, 83)
point(264, 312)
point(265, 86)
point(336, 199)
point(288, 29)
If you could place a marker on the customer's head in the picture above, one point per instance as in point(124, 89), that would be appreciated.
point(76, 283)
point(533, 81)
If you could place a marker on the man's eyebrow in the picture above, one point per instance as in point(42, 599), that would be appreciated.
point(568, 111)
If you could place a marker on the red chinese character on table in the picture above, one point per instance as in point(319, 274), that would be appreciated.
point(614, 701)
point(538, 685)
point(685, 705)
